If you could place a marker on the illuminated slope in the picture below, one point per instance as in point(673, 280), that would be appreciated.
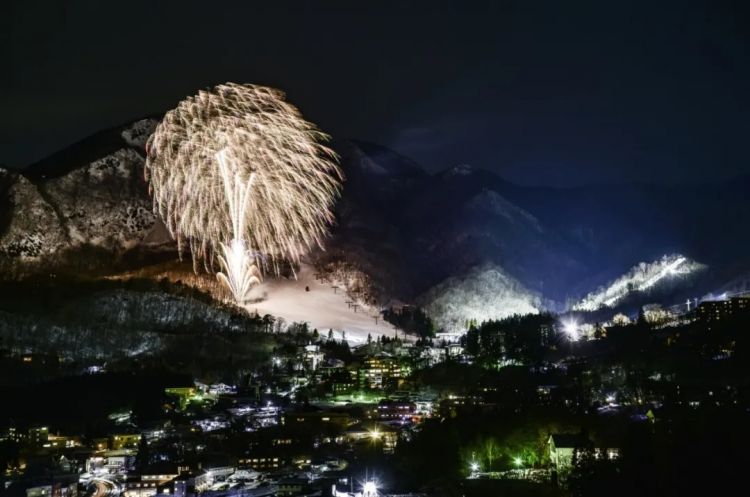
point(482, 294)
point(306, 299)
point(640, 278)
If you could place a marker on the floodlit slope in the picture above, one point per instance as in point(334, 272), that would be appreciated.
point(640, 278)
point(484, 293)
point(322, 307)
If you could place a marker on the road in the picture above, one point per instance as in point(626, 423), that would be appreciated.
point(104, 487)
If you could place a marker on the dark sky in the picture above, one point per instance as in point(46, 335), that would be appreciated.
point(558, 92)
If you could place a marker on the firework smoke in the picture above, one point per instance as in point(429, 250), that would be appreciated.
point(241, 178)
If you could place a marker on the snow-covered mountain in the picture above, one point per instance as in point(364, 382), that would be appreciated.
point(80, 210)
point(32, 230)
point(483, 293)
point(641, 279)
point(462, 235)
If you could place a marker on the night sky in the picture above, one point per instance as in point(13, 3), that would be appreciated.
point(544, 93)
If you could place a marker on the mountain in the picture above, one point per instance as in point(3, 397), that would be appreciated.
point(644, 278)
point(82, 209)
point(466, 217)
point(401, 234)
point(109, 322)
point(483, 293)
point(411, 235)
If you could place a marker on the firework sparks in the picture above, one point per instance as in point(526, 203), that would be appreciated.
point(243, 180)
point(240, 271)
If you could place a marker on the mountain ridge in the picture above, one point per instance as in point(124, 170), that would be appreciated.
point(401, 230)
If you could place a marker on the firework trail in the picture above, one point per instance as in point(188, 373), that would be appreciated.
point(240, 177)
point(240, 271)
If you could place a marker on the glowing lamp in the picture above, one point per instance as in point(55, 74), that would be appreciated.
point(370, 489)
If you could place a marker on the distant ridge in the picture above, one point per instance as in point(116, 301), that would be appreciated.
point(400, 232)
point(80, 153)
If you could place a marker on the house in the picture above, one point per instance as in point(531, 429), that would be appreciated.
point(44, 477)
point(119, 441)
point(373, 433)
point(342, 383)
point(118, 460)
point(380, 371)
point(312, 419)
point(293, 486)
point(396, 410)
point(564, 447)
point(148, 480)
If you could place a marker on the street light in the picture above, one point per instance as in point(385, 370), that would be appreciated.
point(370, 489)
point(570, 328)
point(517, 461)
point(474, 467)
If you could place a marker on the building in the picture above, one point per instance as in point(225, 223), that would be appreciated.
point(121, 441)
point(12, 434)
point(99, 444)
point(183, 395)
point(55, 486)
point(341, 382)
point(62, 442)
point(38, 436)
point(563, 448)
point(312, 357)
point(713, 311)
point(315, 419)
point(211, 476)
point(394, 410)
point(264, 461)
point(45, 477)
point(380, 371)
point(148, 481)
point(454, 350)
point(373, 433)
point(292, 486)
point(118, 460)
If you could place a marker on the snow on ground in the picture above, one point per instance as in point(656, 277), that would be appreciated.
point(323, 307)
point(640, 278)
